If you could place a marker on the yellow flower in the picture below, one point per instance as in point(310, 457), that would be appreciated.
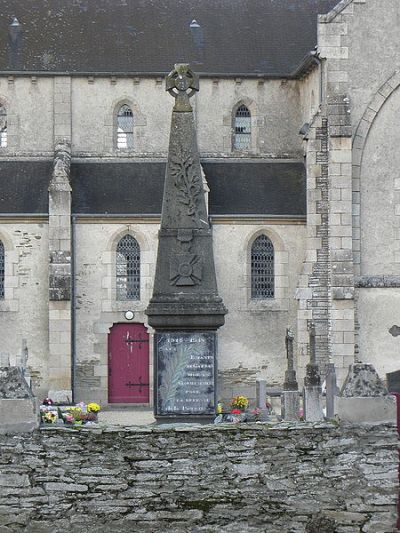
point(93, 407)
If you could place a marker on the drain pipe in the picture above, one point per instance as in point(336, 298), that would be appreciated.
point(73, 307)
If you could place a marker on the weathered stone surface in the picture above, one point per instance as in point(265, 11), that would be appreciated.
point(298, 477)
point(362, 409)
point(17, 405)
point(185, 288)
point(363, 381)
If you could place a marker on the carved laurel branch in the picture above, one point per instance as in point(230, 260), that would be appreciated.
point(188, 182)
point(173, 374)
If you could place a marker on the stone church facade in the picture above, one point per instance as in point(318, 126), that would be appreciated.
point(305, 226)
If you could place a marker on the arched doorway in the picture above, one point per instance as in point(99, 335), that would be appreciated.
point(128, 364)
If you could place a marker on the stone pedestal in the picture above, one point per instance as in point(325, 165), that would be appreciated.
point(364, 397)
point(18, 413)
point(290, 405)
point(312, 403)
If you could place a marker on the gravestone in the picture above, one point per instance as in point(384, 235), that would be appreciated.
point(18, 412)
point(364, 397)
point(290, 395)
point(312, 384)
point(331, 390)
point(185, 309)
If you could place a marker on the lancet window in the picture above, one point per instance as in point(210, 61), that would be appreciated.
point(128, 269)
point(242, 129)
point(125, 128)
point(3, 127)
point(2, 263)
point(262, 268)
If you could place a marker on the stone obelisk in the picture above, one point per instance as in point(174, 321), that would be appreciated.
point(185, 309)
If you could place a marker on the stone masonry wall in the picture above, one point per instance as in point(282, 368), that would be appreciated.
point(282, 478)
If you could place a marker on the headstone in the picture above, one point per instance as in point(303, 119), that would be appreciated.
point(290, 395)
point(185, 309)
point(18, 412)
point(261, 399)
point(331, 390)
point(364, 397)
point(312, 384)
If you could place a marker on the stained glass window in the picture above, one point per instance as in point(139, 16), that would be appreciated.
point(242, 134)
point(262, 268)
point(1, 271)
point(125, 128)
point(3, 127)
point(128, 269)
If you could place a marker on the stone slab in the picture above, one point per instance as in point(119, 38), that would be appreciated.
point(18, 415)
point(362, 409)
point(312, 404)
point(290, 405)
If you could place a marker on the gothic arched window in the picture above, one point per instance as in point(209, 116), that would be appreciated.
point(3, 127)
point(242, 129)
point(125, 128)
point(2, 262)
point(128, 269)
point(262, 268)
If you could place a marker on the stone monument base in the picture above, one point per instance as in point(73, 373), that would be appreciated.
point(312, 404)
point(363, 409)
point(290, 405)
point(18, 413)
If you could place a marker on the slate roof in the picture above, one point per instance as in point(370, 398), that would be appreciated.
point(24, 187)
point(136, 188)
point(247, 37)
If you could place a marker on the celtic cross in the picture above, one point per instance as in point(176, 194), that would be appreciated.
point(182, 83)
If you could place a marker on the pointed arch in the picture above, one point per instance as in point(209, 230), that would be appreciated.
point(2, 269)
point(124, 127)
point(128, 268)
point(242, 128)
point(262, 271)
point(3, 125)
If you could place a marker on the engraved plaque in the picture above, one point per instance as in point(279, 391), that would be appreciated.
point(185, 373)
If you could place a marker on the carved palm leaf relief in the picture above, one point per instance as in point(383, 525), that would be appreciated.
point(173, 373)
point(188, 183)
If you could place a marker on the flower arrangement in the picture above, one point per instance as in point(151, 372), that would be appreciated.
point(239, 403)
point(70, 415)
point(49, 417)
point(93, 407)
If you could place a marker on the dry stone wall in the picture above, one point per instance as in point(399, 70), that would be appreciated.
point(253, 478)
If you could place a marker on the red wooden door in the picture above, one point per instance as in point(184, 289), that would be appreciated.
point(128, 364)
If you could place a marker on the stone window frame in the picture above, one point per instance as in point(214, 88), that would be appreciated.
point(109, 281)
point(252, 107)
point(138, 276)
point(271, 259)
point(129, 134)
point(9, 302)
point(111, 127)
point(4, 105)
point(280, 301)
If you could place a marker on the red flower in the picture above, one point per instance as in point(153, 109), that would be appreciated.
point(236, 412)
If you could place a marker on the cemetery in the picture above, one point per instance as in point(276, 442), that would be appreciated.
point(304, 439)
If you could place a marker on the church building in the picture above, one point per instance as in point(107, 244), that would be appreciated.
point(297, 121)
